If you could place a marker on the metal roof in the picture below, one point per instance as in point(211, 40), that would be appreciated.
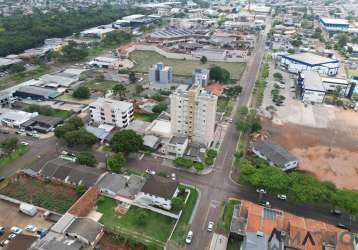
point(310, 58)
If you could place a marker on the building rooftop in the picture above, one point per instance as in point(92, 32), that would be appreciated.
point(160, 186)
point(310, 58)
point(312, 81)
point(55, 241)
point(47, 93)
point(334, 21)
point(178, 139)
point(171, 33)
point(86, 228)
point(151, 141)
point(100, 133)
point(57, 79)
point(114, 103)
point(4, 62)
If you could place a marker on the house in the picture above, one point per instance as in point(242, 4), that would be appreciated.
point(119, 185)
point(36, 93)
point(274, 154)
point(215, 88)
point(177, 145)
point(100, 133)
point(42, 124)
point(151, 141)
point(310, 62)
point(15, 118)
point(158, 191)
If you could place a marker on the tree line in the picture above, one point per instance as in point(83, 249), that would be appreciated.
point(19, 32)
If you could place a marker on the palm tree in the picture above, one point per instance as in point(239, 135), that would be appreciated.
point(120, 90)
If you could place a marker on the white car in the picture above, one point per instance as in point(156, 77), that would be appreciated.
point(151, 172)
point(31, 228)
point(11, 236)
point(282, 197)
point(24, 143)
point(173, 176)
point(189, 237)
point(261, 191)
point(16, 230)
point(210, 226)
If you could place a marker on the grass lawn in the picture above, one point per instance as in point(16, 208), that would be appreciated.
point(155, 226)
point(223, 225)
point(55, 197)
point(144, 59)
point(102, 86)
point(54, 112)
point(145, 117)
point(352, 72)
point(69, 98)
point(64, 114)
point(20, 151)
point(183, 225)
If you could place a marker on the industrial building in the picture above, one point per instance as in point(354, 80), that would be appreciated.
point(332, 25)
point(112, 112)
point(99, 32)
point(311, 87)
point(308, 61)
point(36, 93)
point(160, 73)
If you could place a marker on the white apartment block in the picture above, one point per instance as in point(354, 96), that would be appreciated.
point(112, 112)
point(193, 113)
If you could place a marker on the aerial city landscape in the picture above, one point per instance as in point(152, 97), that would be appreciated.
point(194, 124)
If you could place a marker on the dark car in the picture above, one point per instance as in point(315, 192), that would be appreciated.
point(336, 212)
point(2, 178)
point(340, 225)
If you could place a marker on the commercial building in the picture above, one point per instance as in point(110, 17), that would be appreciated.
point(36, 93)
point(105, 62)
point(6, 99)
point(112, 112)
point(331, 24)
point(274, 154)
point(97, 32)
point(15, 118)
point(200, 76)
point(193, 113)
point(311, 87)
point(42, 124)
point(308, 61)
point(177, 145)
point(160, 73)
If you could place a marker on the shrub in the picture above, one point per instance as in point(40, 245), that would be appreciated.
point(199, 166)
point(183, 162)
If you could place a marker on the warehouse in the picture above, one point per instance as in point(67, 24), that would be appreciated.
point(36, 93)
point(308, 61)
point(331, 24)
point(311, 87)
point(42, 124)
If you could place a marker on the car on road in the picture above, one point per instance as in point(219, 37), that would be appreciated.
point(11, 236)
point(24, 143)
point(210, 226)
point(343, 226)
point(189, 237)
point(16, 230)
point(261, 191)
point(229, 120)
point(31, 228)
point(335, 212)
point(4, 243)
point(2, 230)
point(2, 178)
point(151, 172)
point(282, 197)
point(265, 204)
point(173, 176)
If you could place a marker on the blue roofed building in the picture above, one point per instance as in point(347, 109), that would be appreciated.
point(332, 24)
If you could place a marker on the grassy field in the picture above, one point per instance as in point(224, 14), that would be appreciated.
point(155, 226)
point(145, 117)
point(144, 59)
point(223, 225)
point(69, 98)
point(55, 197)
point(64, 114)
point(102, 86)
point(183, 225)
point(20, 151)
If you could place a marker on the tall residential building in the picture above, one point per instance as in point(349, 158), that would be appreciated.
point(201, 76)
point(113, 112)
point(159, 73)
point(193, 113)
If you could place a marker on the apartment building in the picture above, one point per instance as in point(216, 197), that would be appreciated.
point(159, 73)
point(113, 112)
point(200, 76)
point(193, 112)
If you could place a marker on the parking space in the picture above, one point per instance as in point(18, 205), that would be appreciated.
point(11, 217)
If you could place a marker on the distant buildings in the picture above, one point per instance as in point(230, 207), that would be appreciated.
point(193, 113)
point(105, 62)
point(200, 76)
point(112, 112)
point(99, 32)
point(160, 73)
point(330, 24)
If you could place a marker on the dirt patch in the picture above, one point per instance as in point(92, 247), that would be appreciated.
point(326, 153)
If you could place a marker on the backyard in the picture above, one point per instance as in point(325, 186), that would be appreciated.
point(55, 197)
point(224, 222)
point(145, 117)
point(143, 225)
point(17, 153)
point(143, 60)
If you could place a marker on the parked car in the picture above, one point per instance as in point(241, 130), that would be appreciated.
point(148, 171)
point(24, 143)
point(343, 226)
point(173, 176)
point(4, 243)
point(2, 230)
point(31, 228)
point(265, 204)
point(335, 212)
point(210, 226)
point(261, 191)
point(16, 230)
point(189, 237)
point(11, 236)
point(2, 178)
point(282, 197)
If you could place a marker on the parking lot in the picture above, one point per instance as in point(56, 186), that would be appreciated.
point(10, 217)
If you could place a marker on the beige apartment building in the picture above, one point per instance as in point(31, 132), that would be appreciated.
point(193, 112)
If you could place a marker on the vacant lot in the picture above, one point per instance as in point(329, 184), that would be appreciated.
point(10, 216)
point(143, 60)
point(102, 86)
point(55, 197)
point(17, 153)
point(136, 222)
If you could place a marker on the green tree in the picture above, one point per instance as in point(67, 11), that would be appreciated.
point(219, 74)
point(183, 162)
point(278, 76)
point(16, 68)
point(177, 204)
point(86, 158)
point(72, 52)
point(126, 141)
point(119, 89)
point(79, 137)
point(159, 108)
point(203, 59)
point(342, 40)
point(138, 89)
point(8, 145)
point(81, 92)
point(115, 162)
point(81, 189)
point(141, 217)
point(158, 97)
point(132, 77)
point(232, 91)
point(199, 166)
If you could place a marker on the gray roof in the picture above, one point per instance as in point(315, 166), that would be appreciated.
point(178, 139)
point(86, 228)
point(54, 241)
point(63, 223)
point(151, 141)
point(58, 79)
point(310, 58)
point(275, 153)
point(312, 81)
point(47, 93)
point(100, 133)
point(43, 120)
point(122, 185)
point(160, 186)
point(7, 62)
point(238, 223)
